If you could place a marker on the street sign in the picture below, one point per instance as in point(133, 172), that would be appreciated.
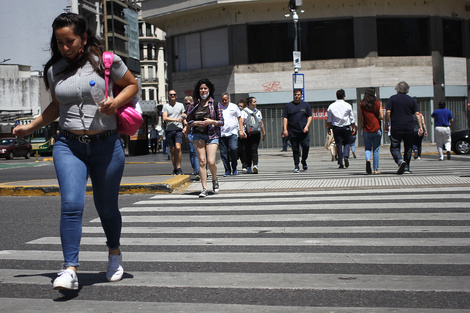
point(297, 59)
point(298, 83)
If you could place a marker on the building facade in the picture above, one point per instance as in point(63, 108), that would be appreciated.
point(153, 69)
point(246, 49)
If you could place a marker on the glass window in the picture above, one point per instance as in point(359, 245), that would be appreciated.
point(403, 36)
point(151, 94)
point(452, 33)
point(149, 52)
point(333, 39)
point(317, 40)
point(148, 30)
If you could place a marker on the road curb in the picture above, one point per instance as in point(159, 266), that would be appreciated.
point(166, 186)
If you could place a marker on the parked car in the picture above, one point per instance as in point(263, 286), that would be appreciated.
point(461, 141)
point(14, 147)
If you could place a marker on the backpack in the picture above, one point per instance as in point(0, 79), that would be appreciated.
point(253, 125)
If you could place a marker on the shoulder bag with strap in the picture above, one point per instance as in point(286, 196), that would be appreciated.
point(127, 117)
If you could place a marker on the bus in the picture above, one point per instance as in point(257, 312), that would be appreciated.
point(42, 139)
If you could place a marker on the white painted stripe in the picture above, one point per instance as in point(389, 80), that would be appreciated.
point(295, 217)
point(284, 230)
point(444, 206)
point(270, 281)
point(316, 242)
point(444, 190)
point(247, 257)
point(215, 199)
point(46, 305)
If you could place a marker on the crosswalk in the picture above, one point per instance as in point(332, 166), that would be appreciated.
point(350, 250)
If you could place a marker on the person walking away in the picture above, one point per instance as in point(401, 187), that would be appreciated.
point(229, 133)
point(296, 119)
point(417, 139)
point(89, 143)
point(206, 118)
point(330, 144)
point(341, 120)
point(370, 118)
point(242, 140)
point(190, 140)
point(254, 128)
point(352, 142)
point(173, 115)
point(399, 112)
point(443, 121)
point(154, 139)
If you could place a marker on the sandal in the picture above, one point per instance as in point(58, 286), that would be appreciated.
point(376, 172)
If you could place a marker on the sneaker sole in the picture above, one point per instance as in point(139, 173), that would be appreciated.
point(60, 287)
point(401, 169)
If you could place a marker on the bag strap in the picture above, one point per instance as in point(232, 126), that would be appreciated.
point(108, 62)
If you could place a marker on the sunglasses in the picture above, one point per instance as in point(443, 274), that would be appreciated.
point(172, 94)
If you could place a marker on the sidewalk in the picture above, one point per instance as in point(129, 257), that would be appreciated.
point(273, 163)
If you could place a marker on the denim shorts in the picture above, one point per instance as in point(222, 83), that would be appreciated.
point(173, 137)
point(205, 138)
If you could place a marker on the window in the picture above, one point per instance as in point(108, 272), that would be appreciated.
point(151, 94)
point(403, 36)
point(149, 52)
point(317, 40)
point(202, 50)
point(452, 33)
point(140, 29)
point(141, 48)
point(148, 31)
point(144, 94)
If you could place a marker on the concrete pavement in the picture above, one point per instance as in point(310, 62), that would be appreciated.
point(275, 174)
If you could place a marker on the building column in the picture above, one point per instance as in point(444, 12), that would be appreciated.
point(437, 53)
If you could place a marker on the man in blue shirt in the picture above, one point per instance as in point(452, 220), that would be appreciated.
point(443, 120)
point(399, 111)
point(296, 120)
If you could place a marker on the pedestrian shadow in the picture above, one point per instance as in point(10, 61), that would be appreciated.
point(84, 279)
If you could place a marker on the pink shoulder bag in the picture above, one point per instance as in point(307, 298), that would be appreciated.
point(127, 117)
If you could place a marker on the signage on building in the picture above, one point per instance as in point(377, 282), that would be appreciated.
point(298, 83)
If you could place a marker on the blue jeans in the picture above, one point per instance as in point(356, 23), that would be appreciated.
point(418, 142)
point(296, 142)
point(192, 154)
point(229, 152)
point(73, 161)
point(395, 142)
point(372, 140)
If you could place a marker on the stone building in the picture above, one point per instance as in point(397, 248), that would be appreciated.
point(246, 49)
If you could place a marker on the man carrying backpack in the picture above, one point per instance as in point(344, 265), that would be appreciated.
point(296, 119)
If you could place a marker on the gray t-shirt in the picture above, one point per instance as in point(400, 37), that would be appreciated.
point(72, 90)
point(174, 111)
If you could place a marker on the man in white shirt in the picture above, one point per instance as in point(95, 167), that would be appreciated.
point(341, 120)
point(173, 115)
point(228, 141)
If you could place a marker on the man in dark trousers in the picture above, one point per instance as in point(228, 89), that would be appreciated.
point(341, 120)
point(296, 120)
point(399, 111)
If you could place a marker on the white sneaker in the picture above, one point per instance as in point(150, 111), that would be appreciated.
point(66, 280)
point(115, 269)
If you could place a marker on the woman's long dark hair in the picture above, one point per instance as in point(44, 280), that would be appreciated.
point(207, 82)
point(92, 49)
point(369, 99)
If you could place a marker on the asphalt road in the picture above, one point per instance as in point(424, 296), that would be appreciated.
point(346, 248)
